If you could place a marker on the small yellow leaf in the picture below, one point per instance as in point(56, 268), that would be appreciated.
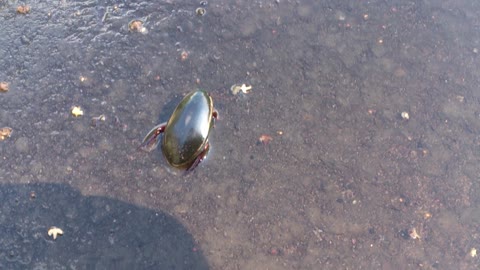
point(3, 86)
point(77, 111)
point(5, 133)
point(54, 231)
point(473, 252)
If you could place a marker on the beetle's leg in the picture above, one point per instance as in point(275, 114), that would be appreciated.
point(151, 141)
point(199, 159)
point(215, 116)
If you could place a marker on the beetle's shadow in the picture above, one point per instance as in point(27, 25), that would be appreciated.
point(168, 108)
point(98, 232)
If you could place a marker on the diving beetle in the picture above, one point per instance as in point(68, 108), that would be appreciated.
point(185, 135)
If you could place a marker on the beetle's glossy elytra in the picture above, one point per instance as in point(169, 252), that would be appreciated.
point(185, 135)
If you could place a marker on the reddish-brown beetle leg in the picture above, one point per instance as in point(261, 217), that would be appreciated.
point(199, 159)
point(151, 141)
point(215, 116)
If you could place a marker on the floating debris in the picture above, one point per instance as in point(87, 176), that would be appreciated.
point(473, 252)
point(427, 215)
point(5, 133)
point(265, 139)
point(405, 115)
point(3, 87)
point(413, 233)
point(137, 26)
point(77, 111)
point(200, 11)
point(54, 232)
point(23, 9)
point(98, 118)
point(244, 88)
point(184, 55)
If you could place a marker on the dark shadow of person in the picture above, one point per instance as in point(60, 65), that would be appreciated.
point(98, 232)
